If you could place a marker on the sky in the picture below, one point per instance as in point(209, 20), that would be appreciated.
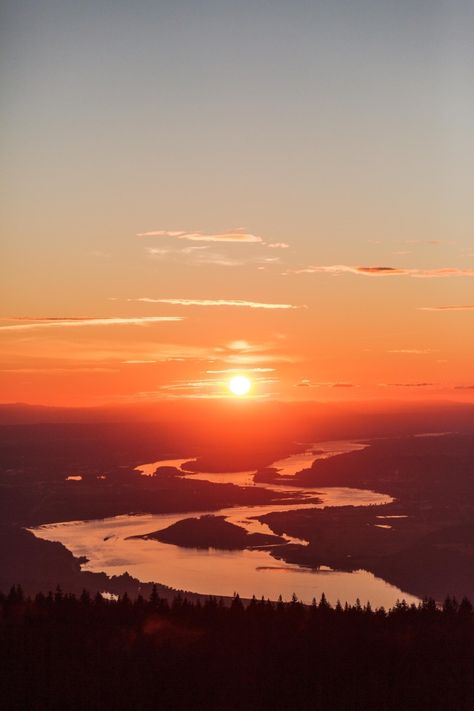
point(198, 189)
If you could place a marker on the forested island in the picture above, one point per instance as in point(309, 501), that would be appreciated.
point(211, 532)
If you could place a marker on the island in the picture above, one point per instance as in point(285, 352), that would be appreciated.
point(211, 532)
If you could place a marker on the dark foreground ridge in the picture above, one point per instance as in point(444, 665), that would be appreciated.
point(63, 652)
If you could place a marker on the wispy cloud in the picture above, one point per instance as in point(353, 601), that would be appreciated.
point(212, 387)
point(241, 345)
point(411, 385)
point(241, 353)
point(138, 362)
point(454, 307)
point(428, 241)
point(194, 394)
point(253, 358)
point(236, 235)
point(216, 302)
point(46, 371)
point(381, 271)
point(162, 252)
point(240, 370)
point(305, 383)
point(412, 351)
point(63, 346)
point(191, 385)
point(278, 245)
point(203, 255)
point(23, 323)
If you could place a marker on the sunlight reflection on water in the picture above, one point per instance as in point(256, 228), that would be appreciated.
point(106, 543)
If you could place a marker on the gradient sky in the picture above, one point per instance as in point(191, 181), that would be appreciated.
point(161, 158)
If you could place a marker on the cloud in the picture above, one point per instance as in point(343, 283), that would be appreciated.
point(202, 255)
point(241, 345)
point(57, 322)
point(412, 351)
point(243, 360)
point(190, 385)
point(59, 370)
point(454, 307)
point(278, 245)
point(239, 370)
point(237, 235)
point(211, 387)
point(138, 362)
point(464, 387)
point(162, 252)
point(428, 241)
point(380, 271)
point(194, 394)
point(63, 346)
point(410, 385)
point(241, 353)
point(305, 383)
point(216, 302)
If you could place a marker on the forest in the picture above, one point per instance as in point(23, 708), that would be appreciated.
point(61, 651)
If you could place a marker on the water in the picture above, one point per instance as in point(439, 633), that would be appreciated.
point(106, 544)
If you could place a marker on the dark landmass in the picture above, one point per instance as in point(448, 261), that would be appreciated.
point(239, 434)
point(267, 475)
point(419, 469)
point(35, 461)
point(168, 472)
point(42, 565)
point(29, 500)
point(59, 652)
point(23, 504)
point(271, 475)
point(196, 422)
point(211, 532)
point(222, 460)
point(429, 552)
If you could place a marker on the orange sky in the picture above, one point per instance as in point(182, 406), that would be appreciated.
point(281, 194)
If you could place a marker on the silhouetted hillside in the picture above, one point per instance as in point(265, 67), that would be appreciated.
point(59, 652)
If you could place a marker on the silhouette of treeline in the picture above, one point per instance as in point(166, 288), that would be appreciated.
point(65, 652)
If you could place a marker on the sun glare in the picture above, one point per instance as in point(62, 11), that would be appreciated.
point(239, 385)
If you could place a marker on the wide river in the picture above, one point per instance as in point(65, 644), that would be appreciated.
point(107, 545)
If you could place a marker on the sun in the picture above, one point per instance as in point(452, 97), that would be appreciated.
point(239, 385)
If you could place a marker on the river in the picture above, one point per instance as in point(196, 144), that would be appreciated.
point(107, 545)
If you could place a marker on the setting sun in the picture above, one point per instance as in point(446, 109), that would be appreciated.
point(239, 385)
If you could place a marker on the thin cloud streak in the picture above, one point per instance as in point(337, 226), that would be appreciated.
point(241, 370)
point(411, 385)
point(305, 383)
point(198, 236)
point(381, 271)
point(412, 351)
point(138, 362)
point(454, 307)
point(54, 322)
point(203, 255)
point(46, 371)
point(217, 302)
point(212, 386)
